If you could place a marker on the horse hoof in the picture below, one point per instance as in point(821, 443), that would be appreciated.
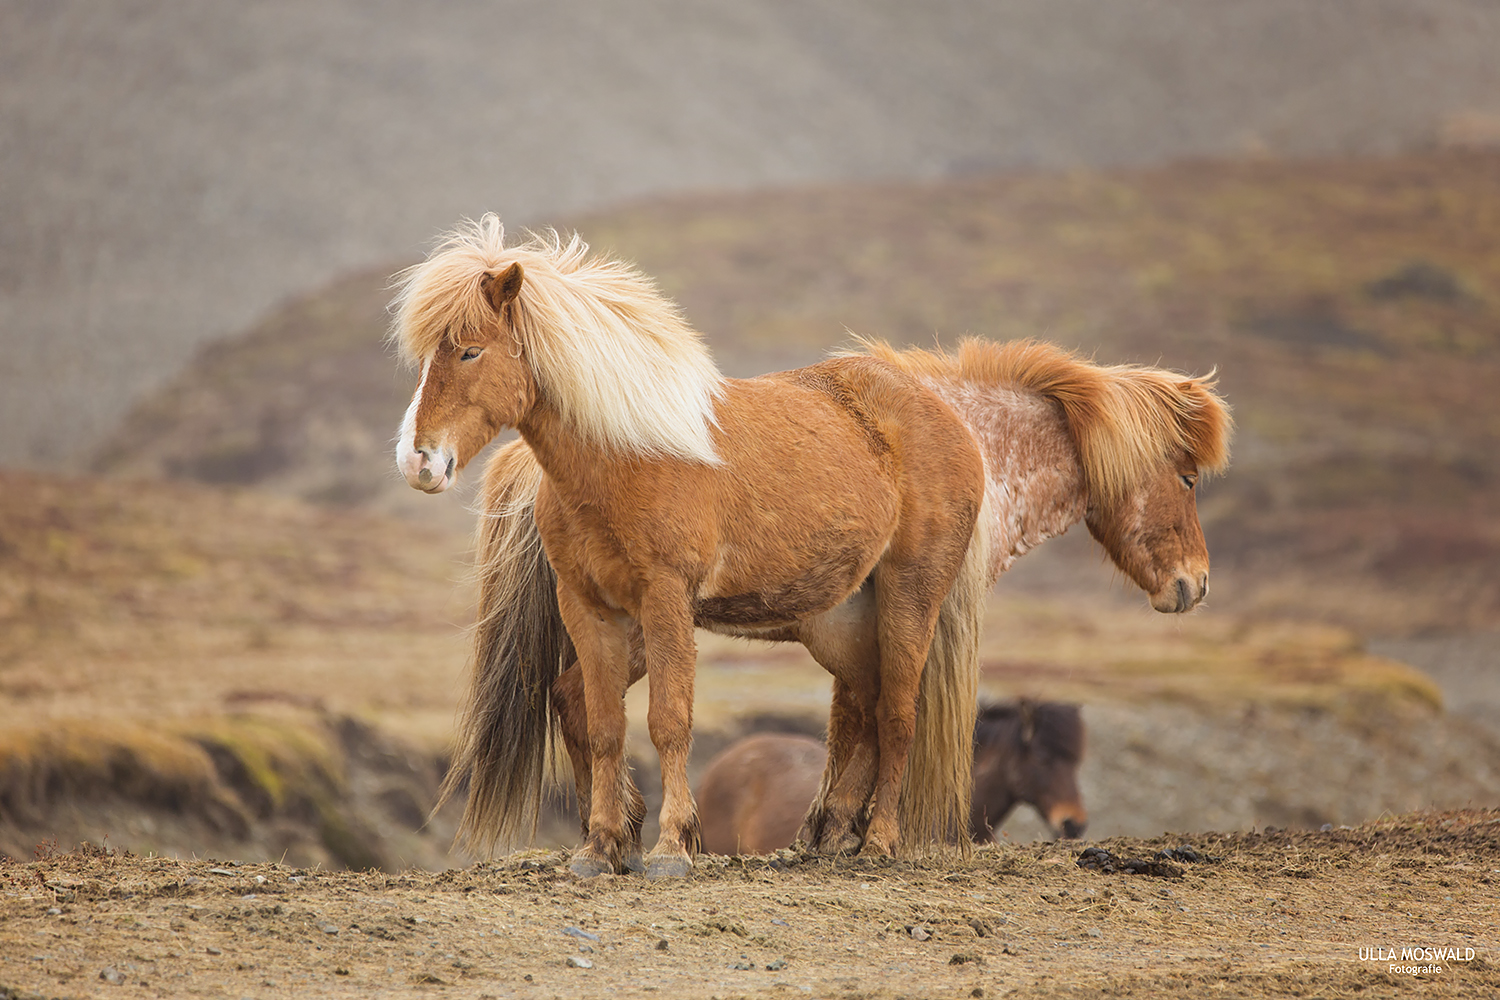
point(842, 846)
point(669, 866)
point(587, 867)
point(634, 862)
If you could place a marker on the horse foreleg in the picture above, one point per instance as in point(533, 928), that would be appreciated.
point(670, 655)
point(603, 660)
point(572, 713)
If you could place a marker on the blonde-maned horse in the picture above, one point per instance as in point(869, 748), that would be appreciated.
point(834, 505)
point(862, 506)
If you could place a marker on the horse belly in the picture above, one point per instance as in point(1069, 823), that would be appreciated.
point(761, 611)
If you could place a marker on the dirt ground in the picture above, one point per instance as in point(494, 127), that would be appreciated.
point(1335, 913)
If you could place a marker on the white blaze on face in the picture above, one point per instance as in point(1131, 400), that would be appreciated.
point(413, 463)
point(407, 459)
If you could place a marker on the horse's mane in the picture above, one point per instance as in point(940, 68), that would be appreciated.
point(1125, 419)
point(605, 346)
point(1057, 726)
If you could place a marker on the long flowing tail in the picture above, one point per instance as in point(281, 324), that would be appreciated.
point(938, 783)
point(508, 725)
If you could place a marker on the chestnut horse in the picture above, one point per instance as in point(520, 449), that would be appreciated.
point(844, 505)
point(754, 794)
point(835, 505)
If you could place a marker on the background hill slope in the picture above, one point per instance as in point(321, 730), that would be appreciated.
point(1351, 307)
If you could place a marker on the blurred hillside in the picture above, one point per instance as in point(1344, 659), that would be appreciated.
point(1351, 307)
point(169, 173)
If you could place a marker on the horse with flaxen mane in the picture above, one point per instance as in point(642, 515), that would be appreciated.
point(754, 794)
point(848, 506)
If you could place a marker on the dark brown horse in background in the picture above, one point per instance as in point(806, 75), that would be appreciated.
point(754, 794)
point(1028, 751)
point(862, 506)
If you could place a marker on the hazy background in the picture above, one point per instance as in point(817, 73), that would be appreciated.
point(170, 171)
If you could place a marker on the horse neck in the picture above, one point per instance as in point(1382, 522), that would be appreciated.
point(575, 466)
point(1035, 489)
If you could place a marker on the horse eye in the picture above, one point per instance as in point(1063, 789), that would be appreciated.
point(1189, 481)
point(471, 353)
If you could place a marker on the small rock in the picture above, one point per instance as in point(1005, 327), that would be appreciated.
point(919, 933)
point(579, 932)
point(220, 871)
point(214, 951)
point(53, 911)
point(328, 928)
point(963, 958)
point(661, 945)
point(112, 975)
point(742, 966)
point(579, 962)
point(260, 880)
point(777, 965)
point(1095, 932)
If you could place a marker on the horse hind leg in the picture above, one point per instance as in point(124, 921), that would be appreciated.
point(844, 642)
point(908, 612)
point(837, 819)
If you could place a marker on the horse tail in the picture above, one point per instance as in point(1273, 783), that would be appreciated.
point(938, 783)
point(508, 725)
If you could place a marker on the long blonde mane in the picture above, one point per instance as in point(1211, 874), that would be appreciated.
point(1125, 419)
point(605, 347)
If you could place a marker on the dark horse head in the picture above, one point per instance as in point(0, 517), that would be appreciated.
point(1028, 751)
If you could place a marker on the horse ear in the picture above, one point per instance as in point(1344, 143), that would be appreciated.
point(501, 288)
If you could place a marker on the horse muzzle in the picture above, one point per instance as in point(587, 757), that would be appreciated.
point(428, 469)
point(1068, 821)
point(1184, 593)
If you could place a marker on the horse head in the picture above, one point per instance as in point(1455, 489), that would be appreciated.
point(1152, 533)
point(1159, 436)
point(517, 336)
point(475, 383)
point(1028, 751)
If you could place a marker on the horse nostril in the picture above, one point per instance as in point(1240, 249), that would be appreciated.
point(1203, 586)
point(1184, 599)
